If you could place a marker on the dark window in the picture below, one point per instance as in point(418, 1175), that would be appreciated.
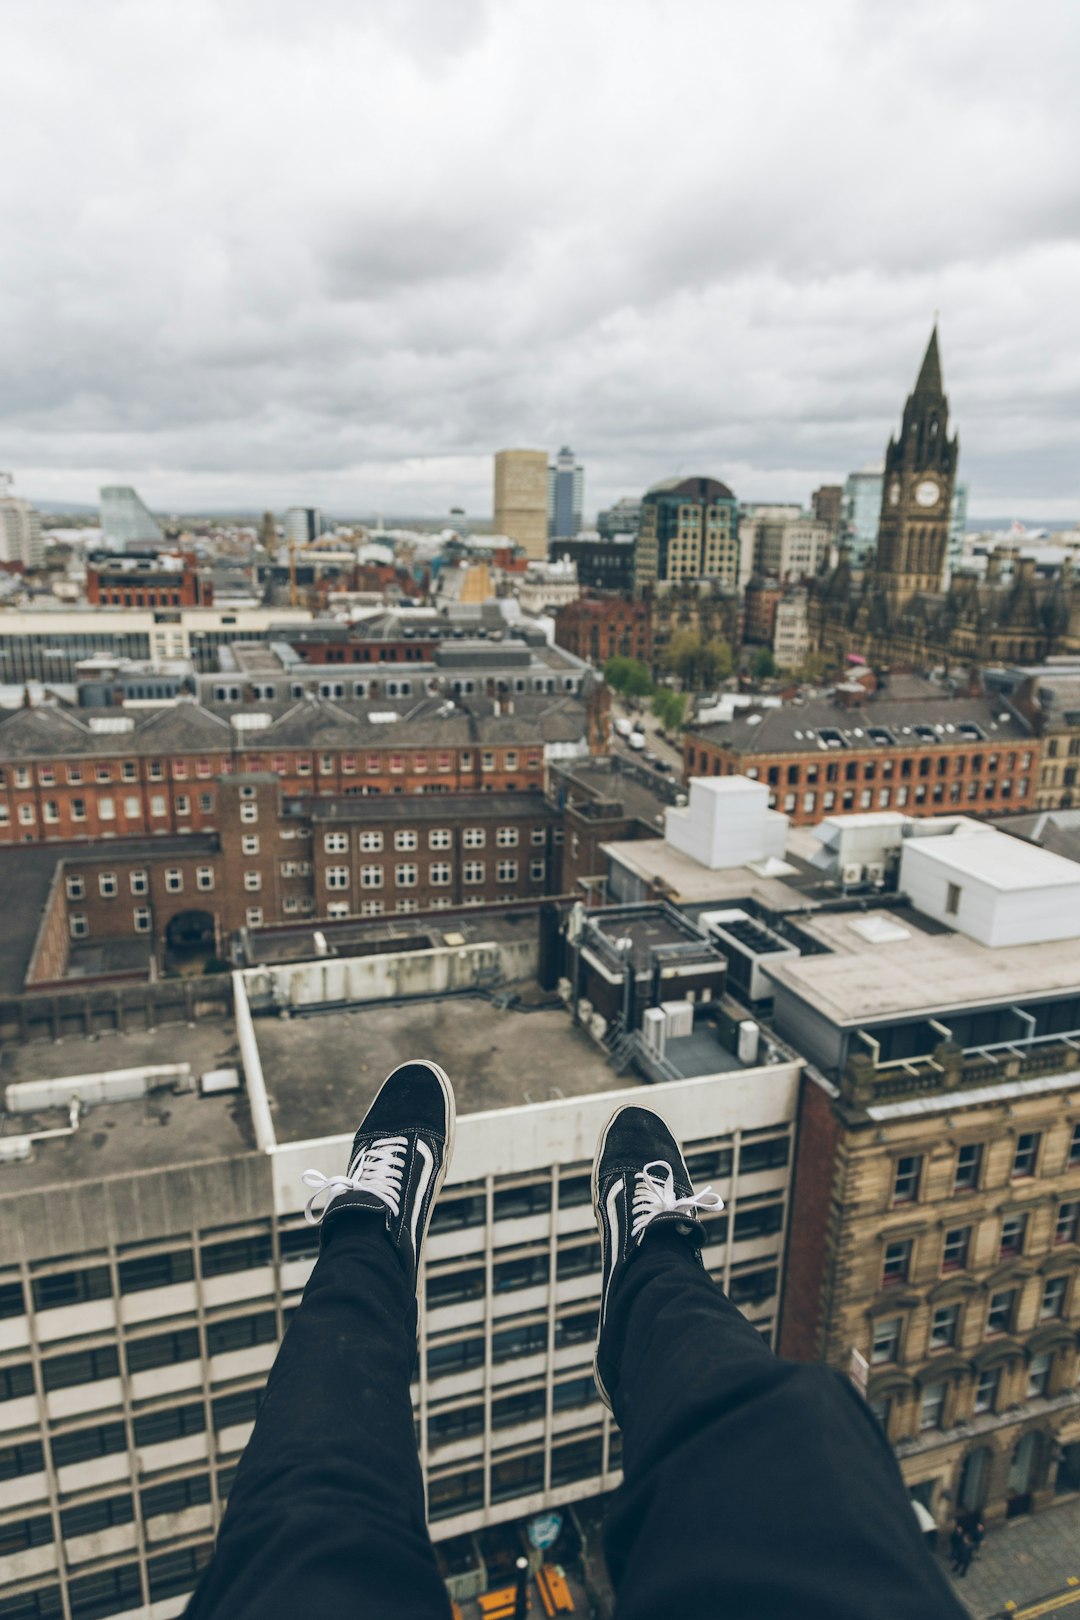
point(524, 1339)
point(242, 1407)
point(81, 1367)
point(771, 1154)
point(456, 1425)
point(520, 1408)
point(27, 1458)
point(176, 1495)
point(1068, 1217)
point(162, 1350)
point(576, 1329)
point(177, 1571)
point(105, 1592)
point(12, 1302)
point(156, 1271)
point(572, 1393)
point(534, 1199)
point(574, 1190)
point(299, 1242)
point(517, 1476)
point(16, 1381)
point(455, 1493)
point(43, 1603)
point(955, 1251)
point(896, 1263)
point(1000, 1315)
point(578, 1460)
point(457, 1356)
point(89, 1517)
point(578, 1260)
point(712, 1165)
point(525, 1271)
point(1053, 1299)
point(240, 1333)
point(444, 1288)
point(906, 1179)
point(71, 1288)
point(19, 1535)
point(757, 1220)
point(82, 1445)
point(1074, 1146)
point(237, 1254)
point(1013, 1232)
point(152, 1428)
point(753, 1286)
point(454, 1212)
point(968, 1161)
point(1027, 1152)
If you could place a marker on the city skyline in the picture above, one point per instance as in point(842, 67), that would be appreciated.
point(458, 259)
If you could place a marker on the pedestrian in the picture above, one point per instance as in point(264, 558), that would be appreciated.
point(752, 1485)
point(964, 1555)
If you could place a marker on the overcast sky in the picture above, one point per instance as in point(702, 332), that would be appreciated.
point(337, 253)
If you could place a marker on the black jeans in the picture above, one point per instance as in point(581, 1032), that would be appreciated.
point(753, 1486)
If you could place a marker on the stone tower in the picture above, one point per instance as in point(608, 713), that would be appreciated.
point(916, 498)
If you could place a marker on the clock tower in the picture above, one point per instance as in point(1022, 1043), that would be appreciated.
point(916, 499)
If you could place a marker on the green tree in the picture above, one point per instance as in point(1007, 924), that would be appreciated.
point(717, 662)
point(669, 708)
point(683, 657)
point(763, 664)
point(628, 676)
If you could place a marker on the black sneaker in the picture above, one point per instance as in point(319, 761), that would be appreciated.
point(398, 1161)
point(640, 1181)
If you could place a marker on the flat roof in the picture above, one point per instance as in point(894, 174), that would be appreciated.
point(116, 1138)
point(1003, 863)
point(688, 882)
point(928, 972)
point(323, 1069)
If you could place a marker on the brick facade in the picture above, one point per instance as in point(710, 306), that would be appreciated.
point(603, 627)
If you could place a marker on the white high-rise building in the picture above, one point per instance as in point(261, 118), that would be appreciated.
point(21, 539)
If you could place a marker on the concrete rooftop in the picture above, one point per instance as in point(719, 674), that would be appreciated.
point(157, 1131)
point(323, 1069)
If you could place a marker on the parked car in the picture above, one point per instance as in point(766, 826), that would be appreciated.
point(623, 726)
point(636, 740)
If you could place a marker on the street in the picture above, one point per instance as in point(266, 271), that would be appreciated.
point(653, 741)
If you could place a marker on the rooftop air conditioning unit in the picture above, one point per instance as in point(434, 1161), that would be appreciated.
point(852, 872)
point(875, 872)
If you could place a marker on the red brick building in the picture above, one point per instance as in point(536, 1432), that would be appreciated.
point(161, 580)
point(603, 627)
point(928, 755)
point(759, 610)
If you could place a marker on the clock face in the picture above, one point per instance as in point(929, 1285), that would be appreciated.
point(894, 492)
point(927, 493)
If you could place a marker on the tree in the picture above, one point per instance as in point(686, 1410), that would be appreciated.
point(683, 657)
point(628, 676)
point(763, 664)
point(717, 662)
point(669, 708)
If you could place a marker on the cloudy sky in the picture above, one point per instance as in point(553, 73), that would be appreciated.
point(256, 253)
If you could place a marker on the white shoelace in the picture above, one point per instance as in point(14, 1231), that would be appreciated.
point(655, 1195)
point(377, 1169)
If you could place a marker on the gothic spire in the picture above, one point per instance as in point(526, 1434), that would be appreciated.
point(929, 382)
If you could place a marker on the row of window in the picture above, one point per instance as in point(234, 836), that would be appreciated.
point(439, 874)
point(158, 1350)
point(887, 1342)
point(106, 809)
point(956, 1243)
point(337, 843)
point(139, 881)
point(106, 1592)
point(933, 1409)
point(908, 1171)
point(520, 1475)
point(104, 771)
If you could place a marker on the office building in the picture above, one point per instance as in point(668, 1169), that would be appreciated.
point(521, 500)
point(604, 563)
point(125, 520)
point(566, 495)
point(601, 627)
point(21, 540)
point(862, 510)
point(689, 531)
point(155, 581)
point(827, 506)
point(957, 528)
point(303, 525)
point(138, 1329)
point(1048, 696)
point(791, 642)
point(622, 518)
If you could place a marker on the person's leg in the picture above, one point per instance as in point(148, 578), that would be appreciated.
point(752, 1485)
point(326, 1514)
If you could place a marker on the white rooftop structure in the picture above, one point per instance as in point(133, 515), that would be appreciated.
point(727, 822)
point(995, 889)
